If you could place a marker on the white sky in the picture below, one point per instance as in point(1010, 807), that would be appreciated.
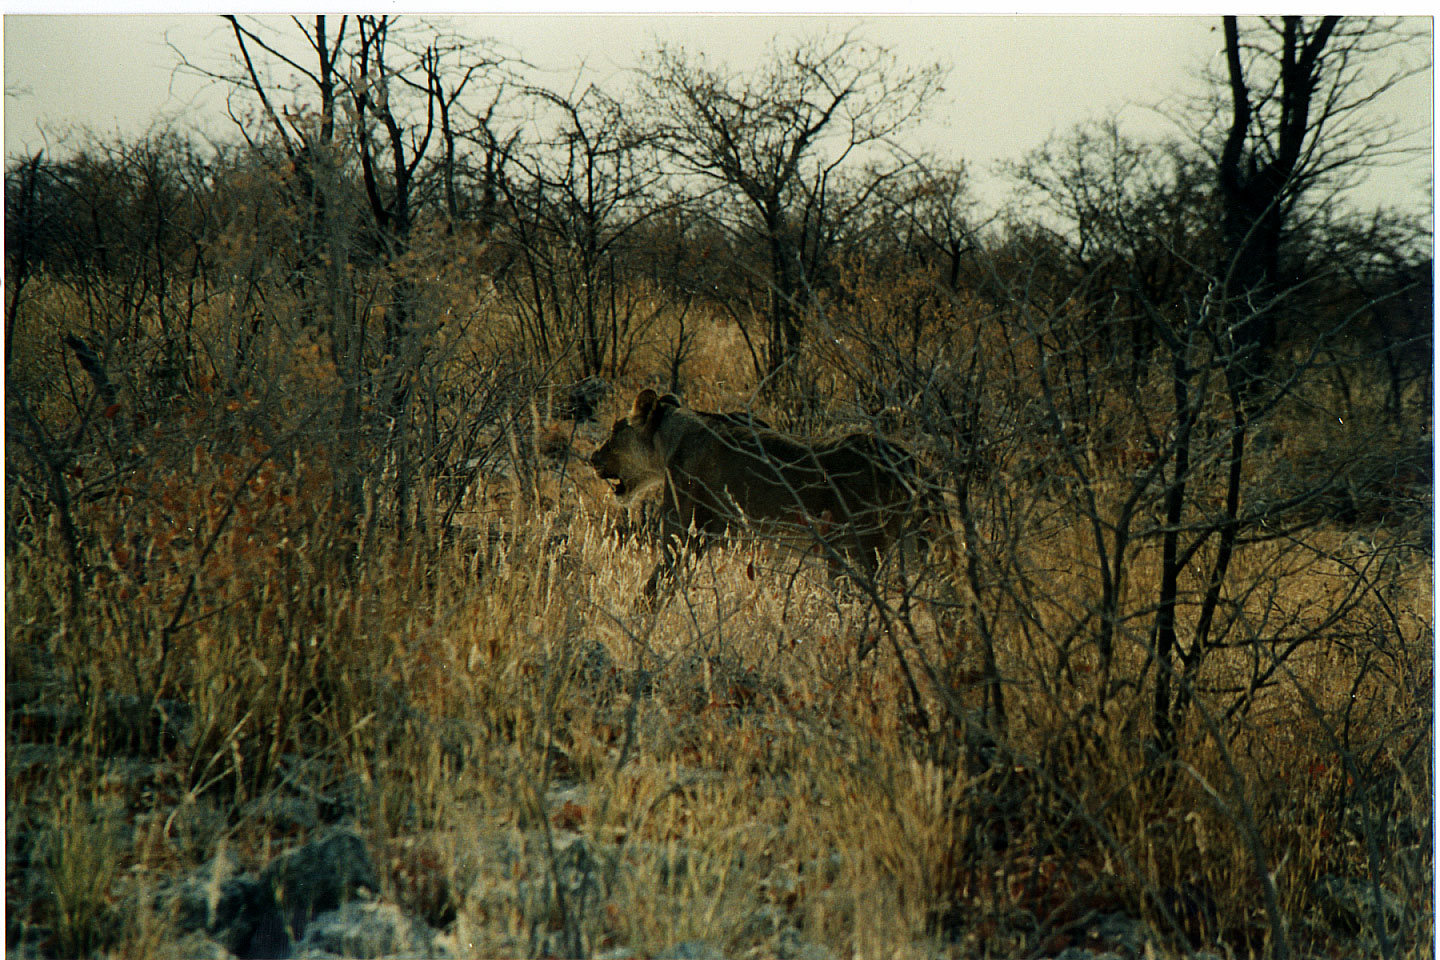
point(1015, 80)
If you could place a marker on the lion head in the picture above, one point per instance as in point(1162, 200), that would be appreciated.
point(629, 460)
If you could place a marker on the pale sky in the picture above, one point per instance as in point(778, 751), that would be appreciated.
point(1014, 81)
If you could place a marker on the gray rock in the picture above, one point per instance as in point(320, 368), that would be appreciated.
point(194, 946)
point(791, 946)
point(218, 901)
point(1127, 934)
point(263, 916)
point(692, 950)
point(366, 930)
point(299, 886)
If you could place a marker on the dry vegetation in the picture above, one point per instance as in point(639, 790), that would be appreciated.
point(302, 547)
point(542, 765)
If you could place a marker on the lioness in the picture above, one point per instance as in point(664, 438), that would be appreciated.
point(853, 495)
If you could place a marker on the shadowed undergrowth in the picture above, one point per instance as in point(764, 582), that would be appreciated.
point(543, 765)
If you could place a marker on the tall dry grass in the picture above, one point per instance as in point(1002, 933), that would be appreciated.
point(544, 765)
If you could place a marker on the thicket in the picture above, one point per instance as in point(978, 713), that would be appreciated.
point(297, 513)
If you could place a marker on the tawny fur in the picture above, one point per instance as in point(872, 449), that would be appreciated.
point(853, 496)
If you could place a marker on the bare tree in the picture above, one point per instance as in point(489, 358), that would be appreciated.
point(574, 199)
point(1129, 219)
point(21, 220)
point(930, 216)
point(1298, 123)
point(774, 139)
point(378, 154)
point(311, 166)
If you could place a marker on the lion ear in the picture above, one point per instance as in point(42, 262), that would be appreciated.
point(645, 404)
point(650, 409)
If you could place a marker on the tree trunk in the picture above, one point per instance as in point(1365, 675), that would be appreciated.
point(1256, 199)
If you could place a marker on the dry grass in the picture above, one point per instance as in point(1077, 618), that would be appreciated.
point(545, 765)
